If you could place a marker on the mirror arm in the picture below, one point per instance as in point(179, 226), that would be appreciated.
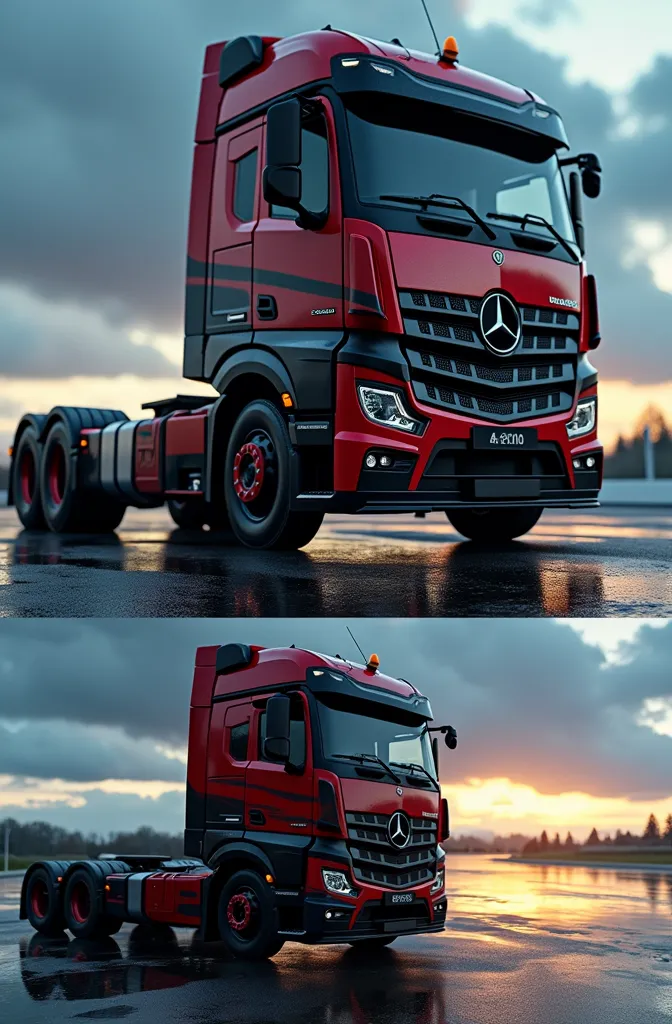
point(310, 221)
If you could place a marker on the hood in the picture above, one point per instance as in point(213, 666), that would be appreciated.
point(464, 268)
point(382, 798)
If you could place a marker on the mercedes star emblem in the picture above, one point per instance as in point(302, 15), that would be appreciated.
point(399, 830)
point(500, 323)
point(498, 257)
point(400, 791)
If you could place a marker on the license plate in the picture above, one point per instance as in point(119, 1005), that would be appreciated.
point(499, 438)
point(396, 898)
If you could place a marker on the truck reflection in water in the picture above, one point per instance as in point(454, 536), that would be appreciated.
point(357, 988)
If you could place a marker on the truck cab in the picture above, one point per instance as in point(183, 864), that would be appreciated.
point(313, 814)
point(387, 292)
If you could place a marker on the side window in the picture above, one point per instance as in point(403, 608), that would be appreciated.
point(244, 184)
point(297, 734)
point(314, 170)
point(238, 741)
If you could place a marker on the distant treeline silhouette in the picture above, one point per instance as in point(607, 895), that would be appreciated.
point(652, 836)
point(627, 459)
point(38, 839)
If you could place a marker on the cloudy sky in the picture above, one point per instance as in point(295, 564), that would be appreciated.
point(561, 725)
point(97, 107)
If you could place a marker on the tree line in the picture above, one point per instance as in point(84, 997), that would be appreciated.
point(627, 459)
point(653, 835)
point(38, 839)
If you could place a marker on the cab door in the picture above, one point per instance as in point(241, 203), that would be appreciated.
point(298, 272)
point(235, 209)
point(278, 800)
point(228, 758)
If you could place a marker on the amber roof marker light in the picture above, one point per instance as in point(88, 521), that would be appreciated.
point(450, 51)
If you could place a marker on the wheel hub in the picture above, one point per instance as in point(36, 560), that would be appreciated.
point(27, 476)
point(239, 912)
point(248, 472)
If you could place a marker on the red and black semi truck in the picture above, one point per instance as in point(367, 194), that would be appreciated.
point(385, 288)
point(313, 814)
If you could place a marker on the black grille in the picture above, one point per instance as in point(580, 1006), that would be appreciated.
point(538, 379)
point(376, 860)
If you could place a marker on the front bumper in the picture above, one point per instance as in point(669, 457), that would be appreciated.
point(441, 470)
point(369, 919)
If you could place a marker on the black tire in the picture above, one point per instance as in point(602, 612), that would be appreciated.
point(371, 945)
point(494, 525)
point(261, 518)
point(26, 480)
point(66, 508)
point(43, 904)
point(81, 909)
point(248, 917)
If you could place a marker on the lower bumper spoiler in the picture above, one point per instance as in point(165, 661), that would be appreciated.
point(426, 501)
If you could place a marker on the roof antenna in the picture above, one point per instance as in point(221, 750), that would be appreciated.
point(436, 39)
point(356, 644)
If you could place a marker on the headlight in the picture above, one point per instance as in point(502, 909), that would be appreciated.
point(584, 419)
point(387, 408)
point(337, 881)
point(439, 882)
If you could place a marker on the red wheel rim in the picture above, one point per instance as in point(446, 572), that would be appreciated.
point(56, 474)
point(239, 912)
point(39, 898)
point(248, 472)
point(27, 476)
point(80, 902)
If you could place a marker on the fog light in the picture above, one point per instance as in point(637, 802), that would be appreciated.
point(371, 461)
point(590, 462)
point(385, 461)
point(327, 914)
point(576, 463)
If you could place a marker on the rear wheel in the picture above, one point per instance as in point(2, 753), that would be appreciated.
point(257, 482)
point(66, 508)
point(81, 907)
point(26, 480)
point(493, 525)
point(248, 917)
point(43, 905)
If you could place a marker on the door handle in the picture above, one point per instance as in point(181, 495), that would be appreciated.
point(257, 817)
point(267, 307)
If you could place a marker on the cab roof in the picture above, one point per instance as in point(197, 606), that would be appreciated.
point(273, 666)
point(297, 60)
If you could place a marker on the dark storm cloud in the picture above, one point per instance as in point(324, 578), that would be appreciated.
point(77, 753)
point(96, 122)
point(530, 699)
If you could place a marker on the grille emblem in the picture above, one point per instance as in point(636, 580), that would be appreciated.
point(399, 830)
point(498, 257)
point(400, 791)
point(499, 320)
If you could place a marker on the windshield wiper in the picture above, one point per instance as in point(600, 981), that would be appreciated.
point(412, 764)
point(450, 203)
point(370, 757)
point(536, 218)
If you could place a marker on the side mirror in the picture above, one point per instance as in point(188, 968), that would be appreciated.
point(591, 182)
point(450, 738)
point(276, 744)
point(282, 175)
point(435, 755)
point(576, 205)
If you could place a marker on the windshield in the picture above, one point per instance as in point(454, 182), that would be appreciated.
point(345, 732)
point(415, 149)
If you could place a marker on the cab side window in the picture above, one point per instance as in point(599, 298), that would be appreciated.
point(297, 734)
point(314, 170)
point(239, 736)
point(244, 185)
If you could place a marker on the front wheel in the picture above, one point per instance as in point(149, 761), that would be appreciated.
point(492, 525)
point(257, 483)
point(248, 917)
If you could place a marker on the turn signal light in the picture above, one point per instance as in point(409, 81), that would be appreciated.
point(84, 442)
point(450, 50)
point(269, 879)
point(287, 400)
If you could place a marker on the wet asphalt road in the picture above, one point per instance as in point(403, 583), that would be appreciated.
point(524, 945)
point(597, 562)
